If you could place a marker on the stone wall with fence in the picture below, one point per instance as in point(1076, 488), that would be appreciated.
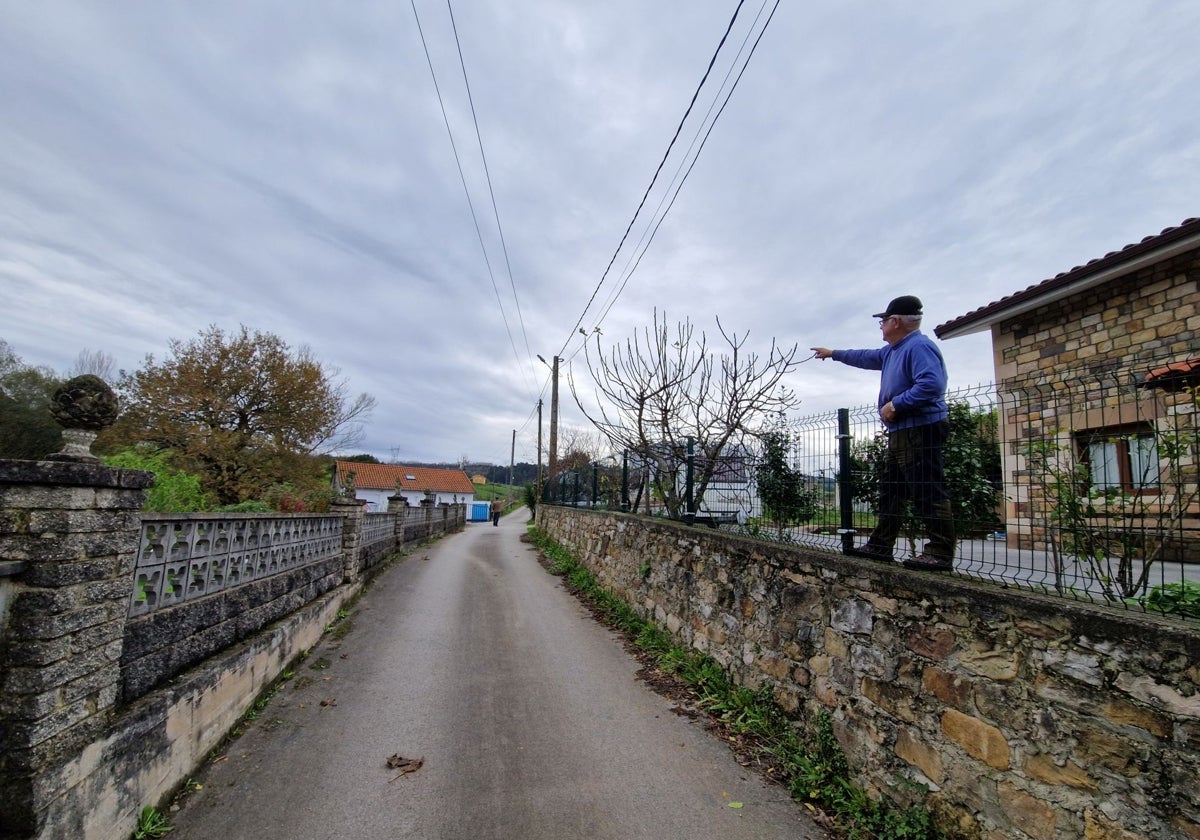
point(131, 644)
point(1010, 714)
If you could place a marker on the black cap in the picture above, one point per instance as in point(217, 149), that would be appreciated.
point(903, 305)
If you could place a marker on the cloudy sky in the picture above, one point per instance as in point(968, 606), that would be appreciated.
point(286, 166)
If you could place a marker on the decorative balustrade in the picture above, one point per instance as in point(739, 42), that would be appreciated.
point(181, 557)
point(377, 528)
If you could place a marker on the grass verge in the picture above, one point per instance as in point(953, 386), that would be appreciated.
point(811, 764)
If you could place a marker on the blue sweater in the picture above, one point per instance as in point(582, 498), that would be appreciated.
point(913, 379)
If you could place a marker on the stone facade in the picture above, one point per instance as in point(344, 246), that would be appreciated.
point(1073, 366)
point(1140, 317)
point(1011, 715)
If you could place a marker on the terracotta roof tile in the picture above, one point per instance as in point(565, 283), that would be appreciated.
point(984, 316)
point(385, 476)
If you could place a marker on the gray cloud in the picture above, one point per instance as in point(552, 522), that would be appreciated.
point(164, 167)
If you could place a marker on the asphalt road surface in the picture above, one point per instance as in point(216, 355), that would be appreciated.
point(527, 714)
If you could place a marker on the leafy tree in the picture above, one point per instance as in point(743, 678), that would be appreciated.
point(243, 411)
point(27, 429)
point(659, 389)
point(785, 494)
point(973, 471)
point(360, 459)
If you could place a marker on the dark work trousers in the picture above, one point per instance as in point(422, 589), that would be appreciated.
point(914, 470)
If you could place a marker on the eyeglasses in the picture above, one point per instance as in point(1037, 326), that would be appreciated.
point(883, 321)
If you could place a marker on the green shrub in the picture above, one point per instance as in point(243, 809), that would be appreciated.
point(174, 491)
point(1178, 598)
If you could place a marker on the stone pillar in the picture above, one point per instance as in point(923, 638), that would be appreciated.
point(399, 505)
point(69, 532)
point(427, 506)
point(352, 510)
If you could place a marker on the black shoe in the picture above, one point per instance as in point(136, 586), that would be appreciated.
point(928, 563)
point(870, 552)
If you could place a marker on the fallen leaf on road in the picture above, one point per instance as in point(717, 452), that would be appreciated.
point(330, 702)
point(735, 804)
point(404, 765)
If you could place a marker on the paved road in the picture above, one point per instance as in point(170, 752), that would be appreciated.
point(527, 713)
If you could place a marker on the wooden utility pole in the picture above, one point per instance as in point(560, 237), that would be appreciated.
point(554, 426)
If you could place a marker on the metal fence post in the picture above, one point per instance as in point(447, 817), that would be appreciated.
point(689, 487)
point(845, 481)
point(625, 480)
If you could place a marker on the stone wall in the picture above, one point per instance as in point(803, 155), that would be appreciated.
point(1021, 716)
point(79, 755)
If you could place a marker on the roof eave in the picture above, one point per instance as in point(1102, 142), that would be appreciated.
point(1081, 279)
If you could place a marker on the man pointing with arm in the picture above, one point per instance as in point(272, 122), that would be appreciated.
point(912, 406)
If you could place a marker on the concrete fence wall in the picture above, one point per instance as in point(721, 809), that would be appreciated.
point(130, 645)
point(1011, 715)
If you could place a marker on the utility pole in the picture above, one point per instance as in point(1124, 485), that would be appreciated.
point(553, 427)
point(554, 424)
point(512, 459)
point(539, 458)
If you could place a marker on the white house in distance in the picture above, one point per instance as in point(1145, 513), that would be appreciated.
point(374, 483)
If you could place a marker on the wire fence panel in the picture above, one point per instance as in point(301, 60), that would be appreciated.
point(1085, 486)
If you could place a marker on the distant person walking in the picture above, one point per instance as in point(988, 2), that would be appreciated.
point(497, 509)
point(912, 406)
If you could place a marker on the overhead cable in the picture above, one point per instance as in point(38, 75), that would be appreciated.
point(661, 163)
point(491, 192)
point(466, 190)
point(675, 195)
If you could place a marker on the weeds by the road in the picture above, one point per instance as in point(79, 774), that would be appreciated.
point(811, 764)
point(151, 825)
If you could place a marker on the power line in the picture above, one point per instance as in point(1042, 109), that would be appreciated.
point(661, 163)
point(491, 191)
point(462, 176)
point(675, 195)
point(635, 258)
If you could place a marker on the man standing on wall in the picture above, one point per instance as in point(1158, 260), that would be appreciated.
point(912, 406)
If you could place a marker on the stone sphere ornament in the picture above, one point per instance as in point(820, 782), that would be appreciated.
point(82, 406)
point(84, 402)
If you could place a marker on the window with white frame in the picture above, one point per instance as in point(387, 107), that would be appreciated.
point(1121, 459)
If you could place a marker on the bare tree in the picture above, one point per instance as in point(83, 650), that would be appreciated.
point(580, 447)
point(660, 388)
point(96, 362)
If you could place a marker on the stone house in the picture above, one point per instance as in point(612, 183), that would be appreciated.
point(1096, 371)
point(375, 483)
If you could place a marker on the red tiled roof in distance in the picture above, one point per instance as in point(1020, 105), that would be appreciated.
point(385, 476)
point(1112, 265)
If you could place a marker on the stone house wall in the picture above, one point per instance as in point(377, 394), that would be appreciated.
point(1073, 364)
point(1023, 716)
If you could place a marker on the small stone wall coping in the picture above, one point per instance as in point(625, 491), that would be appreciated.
point(72, 474)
